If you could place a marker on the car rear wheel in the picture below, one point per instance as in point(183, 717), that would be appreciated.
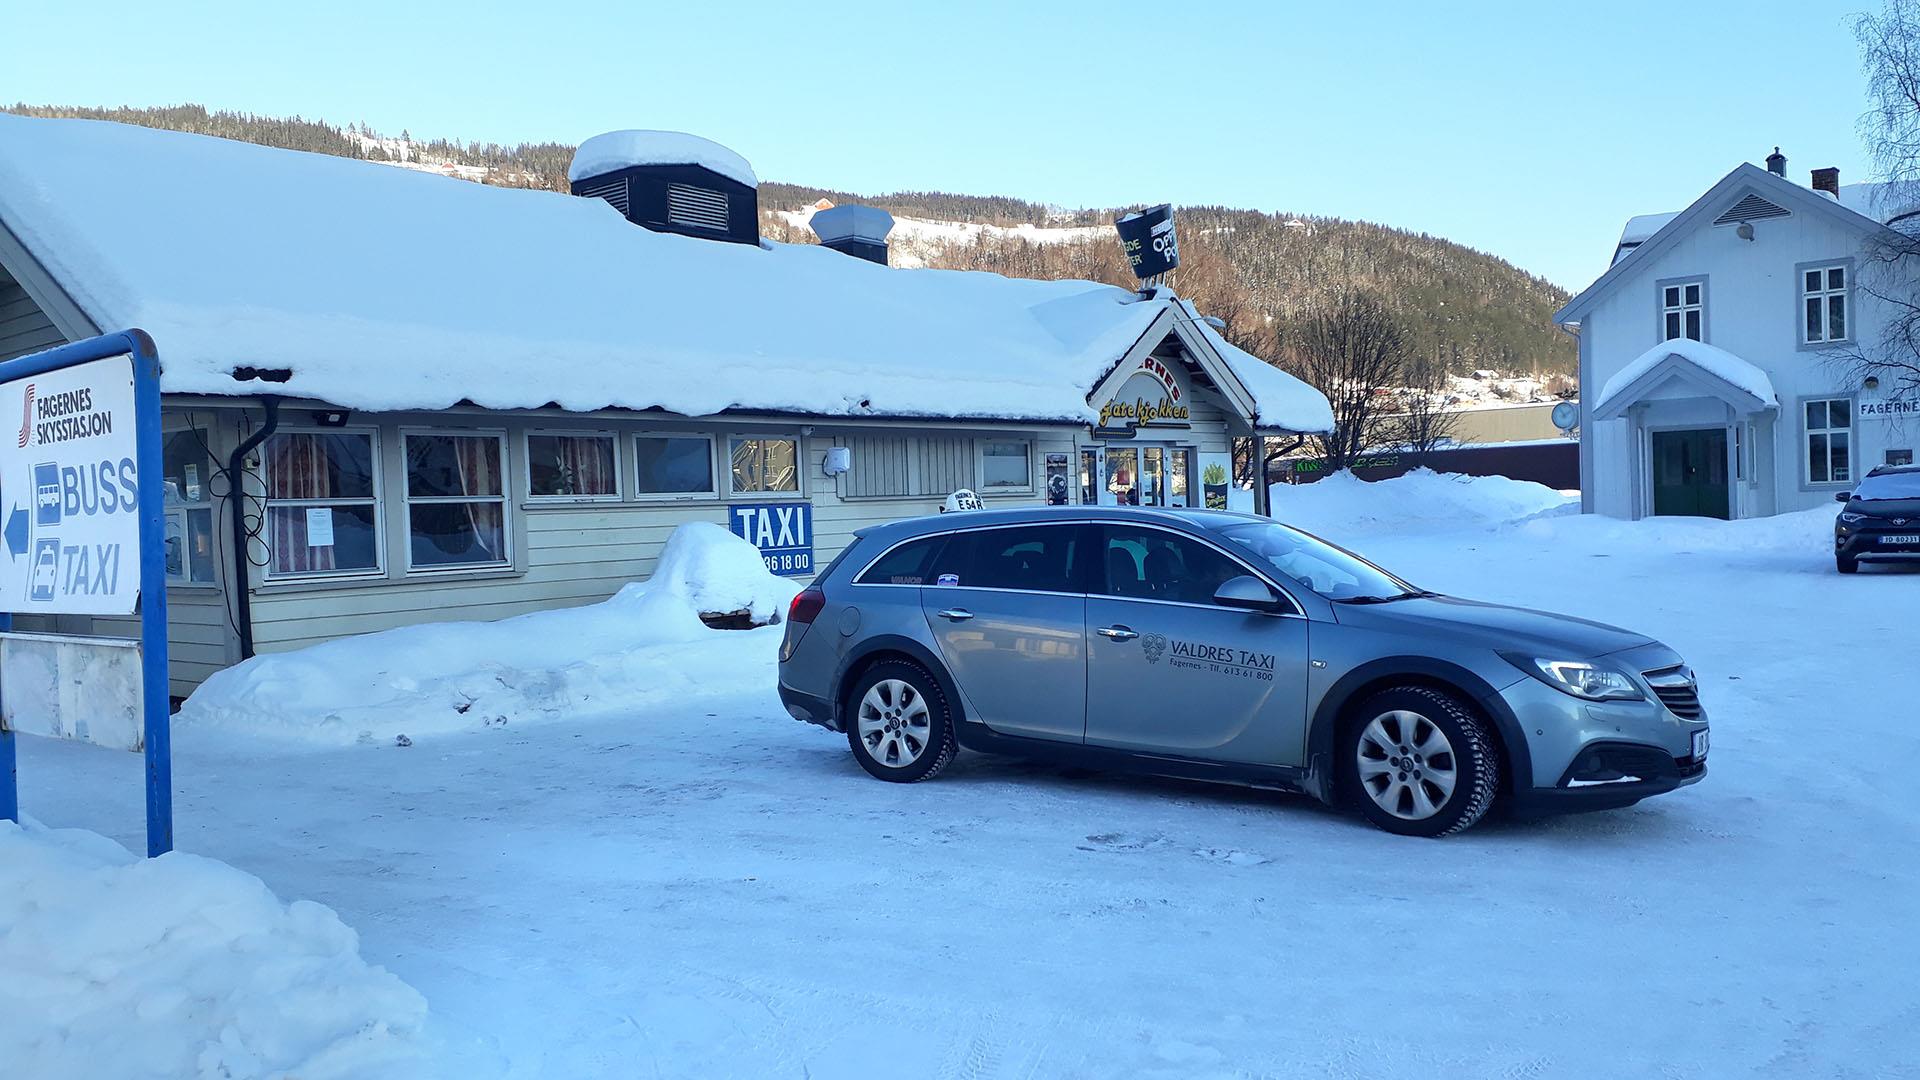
point(1420, 762)
point(898, 723)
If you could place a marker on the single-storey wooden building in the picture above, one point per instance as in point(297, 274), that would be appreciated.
point(393, 397)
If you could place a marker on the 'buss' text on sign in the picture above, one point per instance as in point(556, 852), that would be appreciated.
point(782, 531)
point(69, 492)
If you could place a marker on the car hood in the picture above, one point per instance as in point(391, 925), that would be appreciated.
point(1886, 508)
point(1494, 626)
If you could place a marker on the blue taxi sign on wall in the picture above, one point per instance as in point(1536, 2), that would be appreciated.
point(782, 531)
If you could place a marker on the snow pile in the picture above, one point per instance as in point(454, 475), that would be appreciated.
point(644, 646)
point(181, 966)
point(623, 149)
point(1717, 362)
point(1343, 505)
point(516, 299)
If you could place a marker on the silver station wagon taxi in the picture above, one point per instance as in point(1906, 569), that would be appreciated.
point(1220, 646)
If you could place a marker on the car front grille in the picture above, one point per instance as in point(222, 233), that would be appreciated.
point(1677, 691)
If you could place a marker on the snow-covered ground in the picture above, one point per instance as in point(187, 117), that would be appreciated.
point(708, 888)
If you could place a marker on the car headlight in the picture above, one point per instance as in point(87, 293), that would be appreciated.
point(1583, 680)
point(1849, 517)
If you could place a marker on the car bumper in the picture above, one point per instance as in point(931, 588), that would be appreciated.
point(1646, 771)
point(1872, 544)
point(808, 707)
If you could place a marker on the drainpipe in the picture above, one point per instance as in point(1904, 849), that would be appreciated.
point(236, 508)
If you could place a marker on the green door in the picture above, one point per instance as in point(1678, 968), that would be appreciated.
point(1690, 473)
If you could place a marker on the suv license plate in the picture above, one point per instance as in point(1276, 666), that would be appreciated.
point(1903, 538)
point(1700, 744)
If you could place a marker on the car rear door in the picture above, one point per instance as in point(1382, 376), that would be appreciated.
point(1169, 671)
point(1008, 609)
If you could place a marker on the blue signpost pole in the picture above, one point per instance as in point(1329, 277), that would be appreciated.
point(155, 704)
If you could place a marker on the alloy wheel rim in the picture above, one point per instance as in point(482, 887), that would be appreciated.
point(1407, 765)
point(894, 723)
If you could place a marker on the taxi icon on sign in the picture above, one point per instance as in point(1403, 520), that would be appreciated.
point(46, 570)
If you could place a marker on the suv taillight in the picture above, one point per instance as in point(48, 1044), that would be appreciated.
point(806, 605)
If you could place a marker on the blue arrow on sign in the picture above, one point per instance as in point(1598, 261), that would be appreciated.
point(17, 532)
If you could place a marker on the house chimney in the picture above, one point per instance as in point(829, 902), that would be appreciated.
point(1827, 180)
point(1777, 163)
point(860, 231)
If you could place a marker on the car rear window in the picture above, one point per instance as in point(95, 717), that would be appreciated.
point(1030, 558)
point(908, 564)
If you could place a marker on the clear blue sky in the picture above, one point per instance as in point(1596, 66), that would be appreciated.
point(1531, 130)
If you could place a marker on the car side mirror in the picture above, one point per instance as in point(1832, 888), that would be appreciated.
point(1842, 496)
point(1250, 594)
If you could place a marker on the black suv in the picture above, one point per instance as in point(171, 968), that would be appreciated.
point(1882, 518)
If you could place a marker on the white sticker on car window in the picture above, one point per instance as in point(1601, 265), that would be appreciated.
point(947, 579)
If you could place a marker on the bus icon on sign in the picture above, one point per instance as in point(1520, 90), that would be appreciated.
point(46, 570)
point(46, 494)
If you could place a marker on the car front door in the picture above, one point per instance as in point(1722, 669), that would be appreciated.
point(1169, 671)
point(1008, 609)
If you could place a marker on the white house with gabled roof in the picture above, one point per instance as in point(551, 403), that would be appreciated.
point(1716, 373)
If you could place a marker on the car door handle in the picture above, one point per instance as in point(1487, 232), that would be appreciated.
point(1117, 633)
point(956, 614)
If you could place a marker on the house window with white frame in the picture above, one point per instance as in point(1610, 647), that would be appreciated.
point(1823, 303)
point(670, 466)
point(1683, 310)
point(762, 466)
point(1829, 440)
point(456, 500)
point(1006, 465)
point(569, 466)
point(322, 503)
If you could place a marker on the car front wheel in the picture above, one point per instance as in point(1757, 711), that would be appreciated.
point(1846, 564)
point(1420, 762)
point(898, 723)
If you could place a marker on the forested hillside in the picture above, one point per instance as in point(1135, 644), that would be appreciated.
point(1256, 270)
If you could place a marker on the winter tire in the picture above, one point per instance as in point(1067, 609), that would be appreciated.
point(898, 723)
point(1846, 565)
point(1419, 762)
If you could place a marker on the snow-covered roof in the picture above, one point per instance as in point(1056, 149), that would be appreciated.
point(1642, 227)
point(383, 289)
point(623, 149)
point(1717, 362)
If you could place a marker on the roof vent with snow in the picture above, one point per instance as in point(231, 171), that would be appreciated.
point(669, 181)
point(860, 231)
point(1777, 162)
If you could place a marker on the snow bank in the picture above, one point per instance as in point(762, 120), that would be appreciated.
point(644, 646)
point(181, 966)
point(1344, 505)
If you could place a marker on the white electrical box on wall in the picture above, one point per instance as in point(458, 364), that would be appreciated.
point(839, 460)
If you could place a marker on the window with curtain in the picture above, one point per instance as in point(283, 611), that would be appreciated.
point(1829, 440)
point(322, 505)
point(572, 467)
point(762, 465)
point(673, 465)
point(188, 495)
point(456, 501)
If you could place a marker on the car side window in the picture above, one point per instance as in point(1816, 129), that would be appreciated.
point(1031, 558)
point(909, 564)
point(1151, 564)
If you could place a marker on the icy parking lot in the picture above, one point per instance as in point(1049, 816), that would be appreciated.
point(704, 887)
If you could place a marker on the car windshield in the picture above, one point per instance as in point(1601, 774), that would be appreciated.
point(1900, 485)
point(1333, 573)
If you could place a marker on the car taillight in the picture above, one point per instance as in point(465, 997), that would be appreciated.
point(806, 605)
